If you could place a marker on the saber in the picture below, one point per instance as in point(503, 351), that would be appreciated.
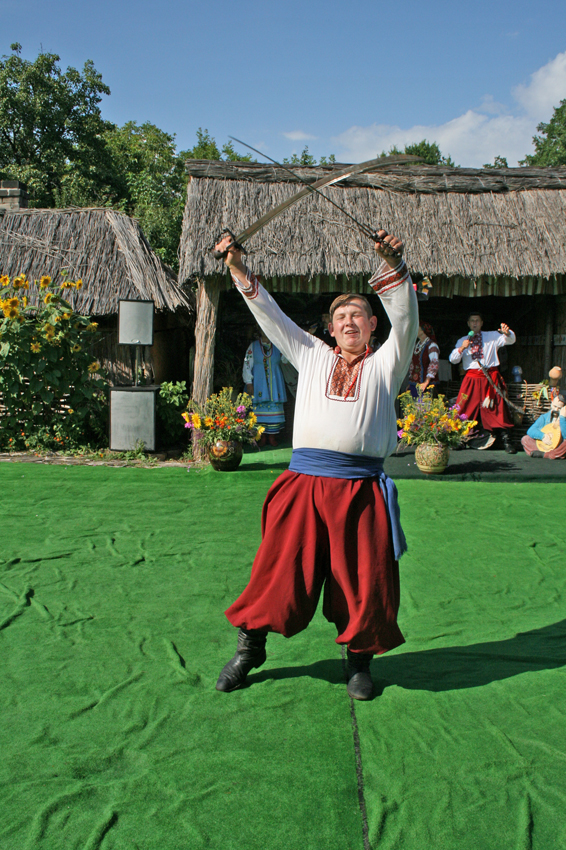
point(329, 180)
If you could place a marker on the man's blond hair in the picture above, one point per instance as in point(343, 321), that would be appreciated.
point(348, 297)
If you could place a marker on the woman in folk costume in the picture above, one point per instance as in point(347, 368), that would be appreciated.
point(478, 398)
point(264, 381)
point(423, 371)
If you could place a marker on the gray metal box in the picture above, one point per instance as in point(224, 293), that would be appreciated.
point(135, 322)
point(132, 418)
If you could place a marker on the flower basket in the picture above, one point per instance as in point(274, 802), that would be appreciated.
point(225, 455)
point(432, 458)
point(221, 426)
point(432, 427)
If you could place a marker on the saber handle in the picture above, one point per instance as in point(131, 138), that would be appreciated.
point(379, 241)
point(221, 255)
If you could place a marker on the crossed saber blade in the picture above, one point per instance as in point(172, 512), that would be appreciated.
point(314, 188)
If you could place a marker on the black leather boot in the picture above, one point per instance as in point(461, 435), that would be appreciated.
point(507, 444)
point(249, 654)
point(360, 685)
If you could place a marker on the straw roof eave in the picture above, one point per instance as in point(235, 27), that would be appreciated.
point(105, 248)
point(477, 225)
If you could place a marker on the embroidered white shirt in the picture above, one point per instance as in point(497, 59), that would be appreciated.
point(491, 341)
point(363, 422)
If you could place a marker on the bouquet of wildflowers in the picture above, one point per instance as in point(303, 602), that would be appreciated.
point(428, 420)
point(221, 418)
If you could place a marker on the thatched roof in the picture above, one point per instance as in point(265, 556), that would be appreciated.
point(472, 231)
point(107, 249)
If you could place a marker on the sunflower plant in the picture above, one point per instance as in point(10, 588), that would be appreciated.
point(429, 420)
point(222, 418)
point(51, 388)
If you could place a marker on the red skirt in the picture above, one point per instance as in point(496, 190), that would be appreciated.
point(475, 388)
point(324, 532)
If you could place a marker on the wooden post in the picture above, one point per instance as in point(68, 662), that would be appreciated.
point(208, 293)
point(548, 336)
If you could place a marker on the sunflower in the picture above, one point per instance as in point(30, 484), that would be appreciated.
point(94, 367)
point(35, 347)
point(76, 348)
point(44, 281)
point(4, 280)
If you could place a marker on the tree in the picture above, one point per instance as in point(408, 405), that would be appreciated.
point(150, 183)
point(550, 146)
point(498, 162)
point(52, 135)
point(306, 158)
point(428, 151)
point(206, 148)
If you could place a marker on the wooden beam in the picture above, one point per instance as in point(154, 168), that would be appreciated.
point(208, 293)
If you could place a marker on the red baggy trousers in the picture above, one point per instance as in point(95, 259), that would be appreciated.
point(331, 532)
point(476, 387)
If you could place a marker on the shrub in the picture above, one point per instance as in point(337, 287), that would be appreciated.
point(52, 392)
point(171, 401)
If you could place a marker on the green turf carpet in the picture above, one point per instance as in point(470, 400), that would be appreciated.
point(113, 584)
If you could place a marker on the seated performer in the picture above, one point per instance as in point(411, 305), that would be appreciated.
point(479, 398)
point(332, 518)
point(547, 436)
point(423, 370)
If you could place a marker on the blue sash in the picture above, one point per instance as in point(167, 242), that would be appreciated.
point(328, 464)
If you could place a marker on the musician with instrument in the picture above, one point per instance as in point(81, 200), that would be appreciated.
point(483, 394)
point(547, 436)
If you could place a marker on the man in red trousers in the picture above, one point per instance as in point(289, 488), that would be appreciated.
point(478, 397)
point(331, 520)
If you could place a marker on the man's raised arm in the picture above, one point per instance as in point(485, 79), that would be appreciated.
point(278, 327)
point(392, 282)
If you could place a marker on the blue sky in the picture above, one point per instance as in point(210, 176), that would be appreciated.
point(349, 78)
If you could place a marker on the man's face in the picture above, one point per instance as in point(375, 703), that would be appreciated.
point(475, 323)
point(556, 404)
point(351, 327)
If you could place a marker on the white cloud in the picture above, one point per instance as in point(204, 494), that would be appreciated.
point(299, 136)
point(478, 135)
point(545, 90)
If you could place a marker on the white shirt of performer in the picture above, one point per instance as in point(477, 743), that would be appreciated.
point(343, 408)
point(491, 341)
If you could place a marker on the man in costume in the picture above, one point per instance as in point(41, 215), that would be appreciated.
point(557, 416)
point(423, 370)
point(332, 518)
point(480, 395)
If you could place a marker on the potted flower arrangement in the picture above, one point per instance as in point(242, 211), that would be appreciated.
point(222, 425)
point(432, 427)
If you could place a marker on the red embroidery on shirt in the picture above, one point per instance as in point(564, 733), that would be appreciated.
point(251, 291)
point(345, 378)
point(389, 278)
